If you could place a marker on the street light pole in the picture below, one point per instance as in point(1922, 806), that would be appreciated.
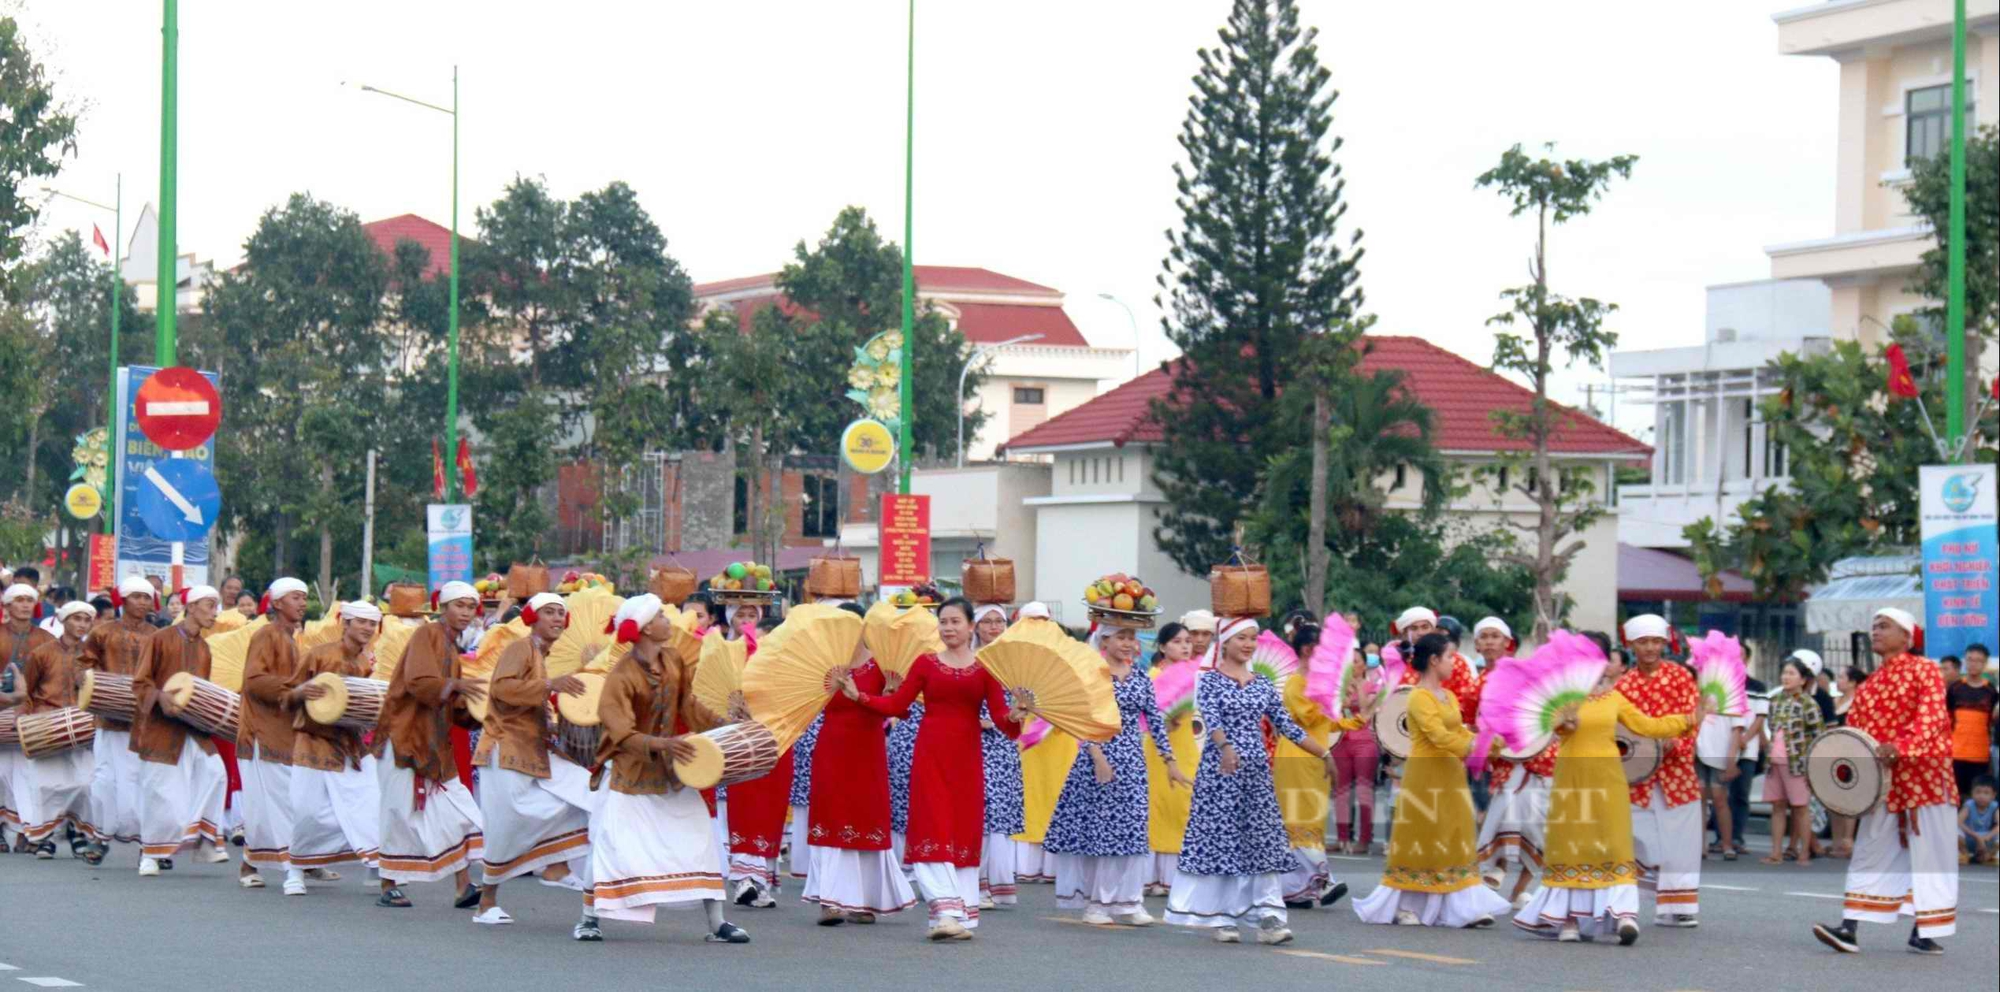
point(451, 372)
point(1138, 366)
point(117, 208)
point(966, 369)
point(1954, 321)
point(903, 452)
point(168, 248)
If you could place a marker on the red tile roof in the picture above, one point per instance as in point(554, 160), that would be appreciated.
point(436, 238)
point(980, 322)
point(1649, 573)
point(1460, 393)
point(983, 323)
point(939, 279)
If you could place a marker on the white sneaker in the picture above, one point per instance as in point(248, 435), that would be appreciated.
point(1097, 919)
point(1570, 934)
point(1405, 918)
point(148, 867)
point(1521, 901)
point(295, 886)
point(1274, 935)
point(1138, 919)
point(1228, 935)
point(986, 902)
point(250, 881)
point(216, 856)
point(493, 917)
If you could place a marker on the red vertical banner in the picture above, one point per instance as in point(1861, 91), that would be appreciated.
point(906, 539)
point(103, 562)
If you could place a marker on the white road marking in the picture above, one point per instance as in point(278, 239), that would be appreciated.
point(49, 982)
point(1815, 895)
point(1349, 857)
point(4, 966)
point(1990, 910)
point(1730, 888)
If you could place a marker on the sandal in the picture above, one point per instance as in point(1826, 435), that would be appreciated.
point(1772, 860)
point(393, 896)
point(1729, 855)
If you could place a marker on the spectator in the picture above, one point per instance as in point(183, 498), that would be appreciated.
point(1718, 746)
point(1971, 701)
point(231, 588)
point(1976, 826)
point(29, 575)
point(246, 604)
point(1747, 760)
point(1356, 757)
point(1795, 722)
point(57, 598)
point(1949, 667)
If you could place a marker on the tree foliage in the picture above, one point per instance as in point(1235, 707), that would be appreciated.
point(37, 131)
point(1257, 269)
point(1929, 195)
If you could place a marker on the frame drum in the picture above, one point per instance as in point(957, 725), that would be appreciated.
point(1392, 723)
point(1640, 755)
point(1843, 772)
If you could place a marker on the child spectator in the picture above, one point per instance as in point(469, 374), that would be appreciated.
point(1976, 828)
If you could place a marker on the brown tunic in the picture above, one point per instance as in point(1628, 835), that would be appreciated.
point(268, 666)
point(517, 711)
point(328, 749)
point(639, 705)
point(22, 643)
point(415, 710)
point(117, 647)
point(157, 737)
point(50, 677)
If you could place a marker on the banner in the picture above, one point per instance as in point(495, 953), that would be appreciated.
point(1961, 607)
point(103, 562)
point(450, 528)
point(138, 550)
point(906, 540)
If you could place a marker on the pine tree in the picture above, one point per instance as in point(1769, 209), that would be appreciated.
point(1255, 272)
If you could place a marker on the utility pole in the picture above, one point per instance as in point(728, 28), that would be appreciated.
point(164, 354)
point(368, 531)
point(904, 445)
point(1954, 320)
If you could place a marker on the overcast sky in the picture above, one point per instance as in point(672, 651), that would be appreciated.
point(1045, 132)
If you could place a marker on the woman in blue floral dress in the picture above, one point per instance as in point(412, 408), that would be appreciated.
point(802, 767)
point(1236, 850)
point(1098, 834)
point(1005, 815)
point(902, 751)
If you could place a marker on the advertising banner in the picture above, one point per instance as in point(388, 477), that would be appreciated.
point(1961, 606)
point(450, 528)
point(906, 540)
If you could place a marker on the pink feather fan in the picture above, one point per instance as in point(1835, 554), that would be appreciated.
point(1522, 700)
point(1329, 662)
point(1173, 686)
point(1719, 673)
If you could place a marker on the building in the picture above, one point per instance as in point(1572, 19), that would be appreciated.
point(1102, 505)
point(142, 268)
point(1027, 382)
point(985, 508)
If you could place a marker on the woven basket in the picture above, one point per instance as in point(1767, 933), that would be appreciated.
point(989, 580)
point(833, 576)
point(526, 579)
point(1240, 589)
point(673, 584)
point(407, 599)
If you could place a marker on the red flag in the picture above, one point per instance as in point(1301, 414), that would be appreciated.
point(469, 478)
point(437, 471)
point(97, 238)
point(1901, 382)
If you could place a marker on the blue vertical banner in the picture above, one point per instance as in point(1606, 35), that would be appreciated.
point(1959, 517)
point(140, 550)
point(450, 528)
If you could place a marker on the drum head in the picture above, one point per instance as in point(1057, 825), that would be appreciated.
point(332, 706)
point(1392, 723)
point(705, 768)
point(1640, 755)
point(582, 710)
point(1843, 772)
point(179, 687)
point(86, 688)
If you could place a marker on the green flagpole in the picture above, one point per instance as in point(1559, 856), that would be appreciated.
point(111, 395)
point(1954, 321)
point(168, 250)
point(903, 447)
point(451, 476)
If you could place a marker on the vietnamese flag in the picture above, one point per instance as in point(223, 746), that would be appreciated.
point(97, 238)
point(437, 471)
point(469, 478)
point(1901, 382)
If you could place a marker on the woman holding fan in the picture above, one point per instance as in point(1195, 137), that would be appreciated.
point(1173, 671)
point(853, 876)
point(1002, 758)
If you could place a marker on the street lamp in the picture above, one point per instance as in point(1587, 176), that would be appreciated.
point(1138, 367)
point(117, 208)
point(970, 361)
point(451, 375)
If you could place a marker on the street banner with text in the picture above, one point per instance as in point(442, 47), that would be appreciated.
point(450, 530)
point(906, 540)
point(1961, 606)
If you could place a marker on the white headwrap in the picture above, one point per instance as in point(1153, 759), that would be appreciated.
point(21, 590)
point(637, 611)
point(981, 611)
point(74, 607)
point(543, 600)
point(195, 594)
point(1493, 623)
point(1412, 615)
point(1033, 611)
point(1647, 625)
point(1233, 627)
point(1899, 617)
point(288, 585)
point(135, 585)
point(450, 592)
point(359, 610)
point(1813, 662)
point(1198, 620)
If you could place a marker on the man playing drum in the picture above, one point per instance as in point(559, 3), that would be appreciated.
point(55, 788)
point(116, 646)
point(430, 825)
point(264, 740)
point(336, 799)
point(1666, 809)
point(1905, 848)
point(181, 781)
point(536, 804)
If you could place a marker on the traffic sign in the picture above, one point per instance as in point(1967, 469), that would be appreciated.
point(178, 499)
point(178, 408)
point(83, 501)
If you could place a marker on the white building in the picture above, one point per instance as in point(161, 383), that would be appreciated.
point(142, 268)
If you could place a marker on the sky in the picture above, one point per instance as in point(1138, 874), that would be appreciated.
point(1045, 134)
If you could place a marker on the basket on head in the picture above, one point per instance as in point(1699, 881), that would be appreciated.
point(672, 583)
point(833, 576)
point(1239, 589)
point(526, 579)
point(989, 580)
point(407, 599)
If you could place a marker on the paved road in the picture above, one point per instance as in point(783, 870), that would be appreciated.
point(193, 929)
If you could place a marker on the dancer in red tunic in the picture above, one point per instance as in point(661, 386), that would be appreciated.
point(757, 807)
point(947, 776)
point(852, 875)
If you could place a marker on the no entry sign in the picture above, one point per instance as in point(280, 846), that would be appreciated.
point(178, 408)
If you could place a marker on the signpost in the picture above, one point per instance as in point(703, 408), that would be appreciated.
point(179, 499)
point(178, 408)
point(1956, 504)
point(165, 499)
point(906, 540)
point(450, 529)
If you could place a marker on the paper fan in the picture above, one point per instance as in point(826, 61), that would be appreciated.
point(1274, 659)
point(584, 640)
point(1330, 660)
point(1173, 686)
point(898, 637)
point(1523, 700)
point(314, 633)
point(225, 621)
point(791, 678)
point(228, 652)
point(390, 643)
point(720, 672)
point(1719, 674)
point(1071, 683)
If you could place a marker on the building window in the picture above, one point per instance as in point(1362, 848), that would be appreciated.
point(821, 508)
point(1504, 479)
point(1673, 444)
point(1927, 122)
point(742, 504)
point(1774, 459)
point(1402, 476)
point(1028, 395)
point(1749, 438)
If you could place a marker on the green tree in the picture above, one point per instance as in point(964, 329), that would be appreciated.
point(1558, 329)
point(37, 130)
point(1256, 270)
point(1929, 195)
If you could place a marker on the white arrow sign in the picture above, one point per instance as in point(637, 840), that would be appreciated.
point(189, 510)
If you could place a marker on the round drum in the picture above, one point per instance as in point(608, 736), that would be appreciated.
point(10, 731)
point(349, 702)
point(581, 710)
point(728, 755)
point(578, 743)
point(1392, 723)
point(1641, 755)
point(205, 706)
point(56, 731)
point(1843, 772)
point(107, 695)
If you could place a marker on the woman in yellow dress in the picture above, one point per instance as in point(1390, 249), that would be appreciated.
point(1045, 765)
point(1167, 806)
point(1589, 878)
point(1303, 789)
point(1432, 877)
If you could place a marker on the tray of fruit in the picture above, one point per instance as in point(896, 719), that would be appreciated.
point(744, 582)
point(575, 581)
point(923, 594)
point(490, 588)
point(1119, 596)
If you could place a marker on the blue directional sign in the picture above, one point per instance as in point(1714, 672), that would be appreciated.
point(178, 499)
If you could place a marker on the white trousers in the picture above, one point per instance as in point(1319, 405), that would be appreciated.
point(1667, 843)
point(1515, 826)
point(950, 892)
point(430, 843)
point(1885, 878)
point(1309, 875)
point(267, 811)
point(52, 790)
point(1432, 909)
point(531, 823)
point(1107, 885)
point(856, 881)
point(1032, 864)
point(651, 851)
point(114, 786)
point(1596, 912)
point(1165, 866)
point(336, 816)
point(796, 856)
point(1226, 901)
point(996, 871)
point(180, 803)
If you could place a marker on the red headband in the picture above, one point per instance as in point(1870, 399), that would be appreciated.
point(264, 604)
point(531, 617)
point(628, 632)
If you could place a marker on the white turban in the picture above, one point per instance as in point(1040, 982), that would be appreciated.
point(1493, 623)
point(135, 585)
point(359, 610)
point(531, 613)
point(1811, 659)
point(637, 611)
point(74, 607)
point(1033, 611)
point(285, 587)
point(450, 592)
point(1198, 620)
point(1647, 625)
point(195, 594)
point(1413, 615)
point(1900, 618)
point(21, 590)
point(984, 610)
point(1233, 627)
